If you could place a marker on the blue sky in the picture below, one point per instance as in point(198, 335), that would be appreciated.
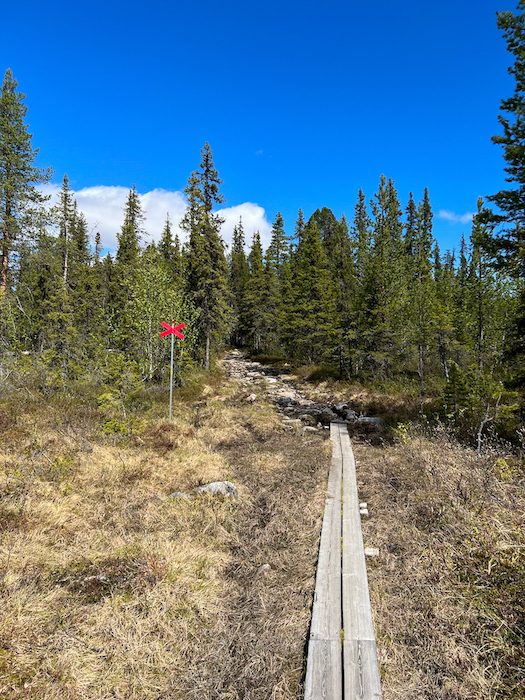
point(302, 103)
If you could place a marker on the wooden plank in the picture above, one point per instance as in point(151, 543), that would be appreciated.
point(361, 670)
point(324, 664)
point(323, 672)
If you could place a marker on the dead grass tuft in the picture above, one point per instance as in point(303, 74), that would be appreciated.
point(109, 588)
point(447, 588)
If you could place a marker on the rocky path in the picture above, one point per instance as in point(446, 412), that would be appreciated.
point(297, 410)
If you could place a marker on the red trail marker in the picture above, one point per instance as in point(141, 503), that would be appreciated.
point(172, 329)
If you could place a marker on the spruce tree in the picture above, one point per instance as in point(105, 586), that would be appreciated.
point(312, 318)
point(239, 275)
point(255, 313)
point(18, 174)
point(65, 211)
point(278, 251)
point(384, 288)
point(421, 294)
point(508, 223)
point(206, 262)
point(169, 249)
point(122, 321)
point(299, 229)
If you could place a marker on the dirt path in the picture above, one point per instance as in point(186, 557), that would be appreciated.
point(256, 650)
point(296, 408)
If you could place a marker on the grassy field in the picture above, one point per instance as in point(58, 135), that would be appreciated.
point(110, 588)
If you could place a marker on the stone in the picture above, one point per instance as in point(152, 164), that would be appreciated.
point(307, 418)
point(371, 552)
point(294, 422)
point(219, 488)
point(263, 569)
point(327, 416)
point(179, 494)
point(251, 398)
point(286, 401)
point(369, 420)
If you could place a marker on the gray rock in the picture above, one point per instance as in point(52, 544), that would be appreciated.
point(251, 398)
point(327, 416)
point(308, 418)
point(178, 494)
point(263, 569)
point(219, 488)
point(286, 401)
point(294, 422)
point(369, 420)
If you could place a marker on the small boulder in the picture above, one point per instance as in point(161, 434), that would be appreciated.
point(370, 420)
point(308, 419)
point(286, 401)
point(327, 416)
point(349, 415)
point(251, 398)
point(219, 488)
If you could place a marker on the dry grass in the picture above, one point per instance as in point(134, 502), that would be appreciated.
point(448, 589)
point(109, 588)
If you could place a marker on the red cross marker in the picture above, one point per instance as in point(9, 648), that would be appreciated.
point(172, 329)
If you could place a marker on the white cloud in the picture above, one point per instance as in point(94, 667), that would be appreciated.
point(253, 219)
point(455, 218)
point(103, 207)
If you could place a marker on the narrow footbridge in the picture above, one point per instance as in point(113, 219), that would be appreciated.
point(342, 659)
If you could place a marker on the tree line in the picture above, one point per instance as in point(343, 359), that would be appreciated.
point(371, 298)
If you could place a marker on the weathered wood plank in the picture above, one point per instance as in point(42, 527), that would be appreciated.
point(361, 671)
point(324, 664)
point(341, 596)
point(323, 671)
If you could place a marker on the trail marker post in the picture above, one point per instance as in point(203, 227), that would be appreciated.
point(173, 331)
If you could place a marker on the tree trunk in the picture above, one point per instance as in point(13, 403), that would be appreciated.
point(207, 355)
point(421, 372)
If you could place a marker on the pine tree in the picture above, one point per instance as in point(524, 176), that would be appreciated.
point(18, 175)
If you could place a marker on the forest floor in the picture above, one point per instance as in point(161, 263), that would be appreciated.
point(112, 588)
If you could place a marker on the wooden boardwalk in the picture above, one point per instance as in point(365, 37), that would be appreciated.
point(342, 660)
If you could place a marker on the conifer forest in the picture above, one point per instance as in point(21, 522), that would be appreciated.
point(370, 298)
